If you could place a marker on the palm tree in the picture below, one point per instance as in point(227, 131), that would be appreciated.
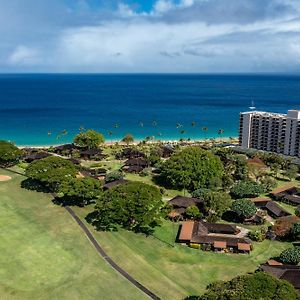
point(81, 128)
point(193, 124)
point(178, 125)
point(110, 133)
point(205, 129)
point(64, 132)
point(49, 132)
point(220, 132)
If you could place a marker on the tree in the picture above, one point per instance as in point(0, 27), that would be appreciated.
point(283, 226)
point(214, 203)
point(245, 189)
point(259, 285)
point(90, 139)
point(291, 172)
point(113, 176)
point(51, 171)
point(9, 154)
point(296, 231)
point(80, 191)
point(134, 206)
point(192, 168)
point(193, 212)
point(128, 138)
point(258, 235)
point(290, 256)
point(268, 183)
point(244, 208)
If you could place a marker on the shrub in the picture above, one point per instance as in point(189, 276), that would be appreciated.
point(193, 212)
point(244, 208)
point(247, 189)
point(297, 211)
point(290, 256)
point(268, 183)
point(295, 231)
point(257, 235)
point(113, 176)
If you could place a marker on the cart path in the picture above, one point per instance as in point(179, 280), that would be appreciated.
point(101, 251)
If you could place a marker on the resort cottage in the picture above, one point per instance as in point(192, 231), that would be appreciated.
point(290, 195)
point(213, 236)
point(180, 205)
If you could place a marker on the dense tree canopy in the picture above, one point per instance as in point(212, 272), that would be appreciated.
point(80, 190)
point(290, 256)
point(51, 171)
point(215, 203)
point(9, 154)
point(259, 285)
point(135, 206)
point(245, 189)
point(90, 139)
point(192, 168)
point(244, 208)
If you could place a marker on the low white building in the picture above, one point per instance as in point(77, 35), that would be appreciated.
point(273, 132)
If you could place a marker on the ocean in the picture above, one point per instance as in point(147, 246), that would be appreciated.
point(51, 108)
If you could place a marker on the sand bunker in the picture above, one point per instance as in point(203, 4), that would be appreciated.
point(4, 178)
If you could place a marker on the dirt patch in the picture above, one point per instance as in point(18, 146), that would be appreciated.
point(4, 178)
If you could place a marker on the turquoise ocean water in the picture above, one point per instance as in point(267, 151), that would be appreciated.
point(50, 109)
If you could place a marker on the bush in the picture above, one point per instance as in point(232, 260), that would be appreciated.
point(290, 256)
point(295, 231)
point(268, 183)
point(244, 208)
point(257, 235)
point(247, 189)
point(297, 211)
point(193, 212)
point(113, 176)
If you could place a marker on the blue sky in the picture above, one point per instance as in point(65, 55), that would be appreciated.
point(202, 36)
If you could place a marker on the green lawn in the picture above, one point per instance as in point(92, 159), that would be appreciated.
point(45, 255)
point(175, 272)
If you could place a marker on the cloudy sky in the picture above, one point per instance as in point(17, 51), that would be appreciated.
point(201, 36)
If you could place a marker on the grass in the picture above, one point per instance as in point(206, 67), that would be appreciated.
point(175, 271)
point(45, 255)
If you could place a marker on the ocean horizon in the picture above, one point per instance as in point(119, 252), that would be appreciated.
point(48, 109)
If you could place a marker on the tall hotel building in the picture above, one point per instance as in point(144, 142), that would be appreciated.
point(273, 132)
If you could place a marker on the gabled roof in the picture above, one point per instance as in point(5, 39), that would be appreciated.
point(186, 231)
point(276, 209)
point(136, 162)
point(181, 201)
point(112, 184)
point(286, 272)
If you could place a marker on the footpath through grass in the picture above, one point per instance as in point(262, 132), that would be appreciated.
point(45, 255)
point(175, 272)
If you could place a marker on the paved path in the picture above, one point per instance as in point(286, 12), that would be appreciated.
point(107, 258)
point(100, 250)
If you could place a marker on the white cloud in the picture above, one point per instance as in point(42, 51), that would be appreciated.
point(23, 55)
point(162, 6)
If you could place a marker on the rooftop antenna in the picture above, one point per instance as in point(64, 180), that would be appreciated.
point(252, 107)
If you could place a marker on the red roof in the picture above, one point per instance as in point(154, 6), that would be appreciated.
point(186, 231)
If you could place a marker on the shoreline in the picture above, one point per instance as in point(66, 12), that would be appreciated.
point(111, 143)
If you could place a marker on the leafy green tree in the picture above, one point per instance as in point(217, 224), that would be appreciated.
point(9, 154)
point(291, 172)
point(80, 190)
point(193, 212)
point(51, 171)
point(134, 206)
point(215, 203)
point(192, 168)
point(113, 176)
point(259, 285)
point(258, 235)
point(90, 139)
point(290, 256)
point(245, 189)
point(128, 138)
point(296, 231)
point(244, 208)
point(268, 183)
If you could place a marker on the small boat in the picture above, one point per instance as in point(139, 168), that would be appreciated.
point(252, 107)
